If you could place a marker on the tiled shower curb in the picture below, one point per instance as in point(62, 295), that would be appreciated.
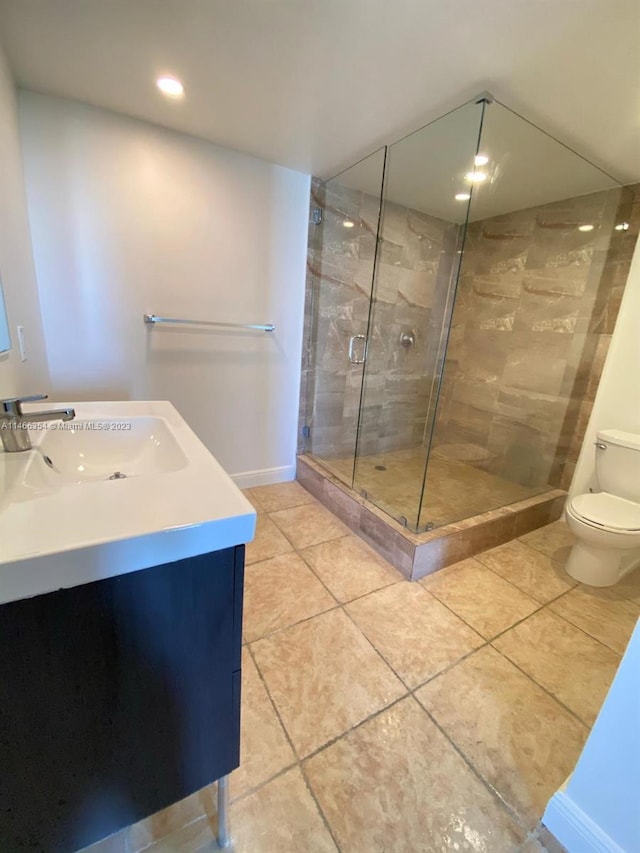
point(420, 554)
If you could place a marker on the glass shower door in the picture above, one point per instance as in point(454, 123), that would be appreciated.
point(464, 282)
point(344, 223)
point(427, 189)
point(540, 252)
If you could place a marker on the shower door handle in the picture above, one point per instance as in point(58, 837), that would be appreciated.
point(353, 358)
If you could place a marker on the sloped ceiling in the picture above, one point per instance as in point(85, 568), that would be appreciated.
point(316, 84)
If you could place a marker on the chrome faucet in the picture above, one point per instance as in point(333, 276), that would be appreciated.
point(14, 423)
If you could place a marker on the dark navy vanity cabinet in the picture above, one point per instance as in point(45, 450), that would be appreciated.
point(117, 698)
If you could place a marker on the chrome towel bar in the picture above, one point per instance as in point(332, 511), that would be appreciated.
point(153, 320)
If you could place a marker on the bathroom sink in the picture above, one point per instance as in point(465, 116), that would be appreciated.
point(82, 451)
point(124, 486)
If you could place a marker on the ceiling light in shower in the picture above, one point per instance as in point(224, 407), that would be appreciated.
point(480, 160)
point(170, 86)
point(476, 177)
point(348, 223)
point(622, 226)
point(585, 227)
point(462, 196)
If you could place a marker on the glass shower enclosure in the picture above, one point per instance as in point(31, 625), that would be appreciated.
point(456, 275)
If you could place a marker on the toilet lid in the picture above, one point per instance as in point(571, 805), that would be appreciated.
point(607, 510)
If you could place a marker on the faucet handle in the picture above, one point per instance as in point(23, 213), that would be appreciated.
point(13, 405)
point(33, 398)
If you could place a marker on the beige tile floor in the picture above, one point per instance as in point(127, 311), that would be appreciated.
point(380, 715)
point(455, 489)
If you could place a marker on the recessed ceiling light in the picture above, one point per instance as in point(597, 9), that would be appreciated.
point(170, 86)
point(476, 177)
point(462, 196)
point(480, 160)
point(585, 227)
point(348, 223)
point(622, 226)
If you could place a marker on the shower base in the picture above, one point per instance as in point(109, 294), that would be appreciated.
point(455, 489)
point(420, 554)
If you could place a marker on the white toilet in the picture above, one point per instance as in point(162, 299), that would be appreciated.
point(607, 523)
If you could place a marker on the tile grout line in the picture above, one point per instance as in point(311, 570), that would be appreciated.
point(354, 727)
point(451, 666)
point(306, 618)
point(341, 606)
point(523, 671)
point(589, 726)
point(374, 713)
point(541, 606)
point(357, 597)
point(350, 532)
point(477, 558)
point(261, 511)
point(323, 816)
point(578, 627)
point(255, 788)
point(487, 641)
point(298, 762)
point(411, 695)
point(521, 821)
point(337, 606)
point(575, 585)
point(281, 630)
point(248, 563)
point(411, 691)
point(469, 625)
point(533, 547)
point(584, 630)
point(314, 502)
point(350, 535)
point(264, 511)
point(377, 651)
point(273, 705)
point(338, 603)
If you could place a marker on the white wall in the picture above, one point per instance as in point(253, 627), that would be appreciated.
point(16, 262)
point(597, 809)
point(617, 403)
point(130, 218)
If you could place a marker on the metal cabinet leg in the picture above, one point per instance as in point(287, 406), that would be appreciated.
point(224, 839)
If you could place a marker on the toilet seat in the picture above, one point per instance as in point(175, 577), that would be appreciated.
point(607, 512)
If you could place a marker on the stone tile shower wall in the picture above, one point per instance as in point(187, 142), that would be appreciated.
point(536, 304)
point(413, 284)
point(413, 274)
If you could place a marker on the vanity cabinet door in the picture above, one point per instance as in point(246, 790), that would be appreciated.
point(117, 698)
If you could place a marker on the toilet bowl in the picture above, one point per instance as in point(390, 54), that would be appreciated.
point(608, 532)
point(606, 524)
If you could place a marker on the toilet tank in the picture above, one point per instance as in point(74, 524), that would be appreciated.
point(618, 466)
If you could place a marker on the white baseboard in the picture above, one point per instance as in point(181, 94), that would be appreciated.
point(574, 829)
point(265, 477)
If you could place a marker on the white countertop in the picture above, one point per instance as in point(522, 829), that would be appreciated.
point(52, 538)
